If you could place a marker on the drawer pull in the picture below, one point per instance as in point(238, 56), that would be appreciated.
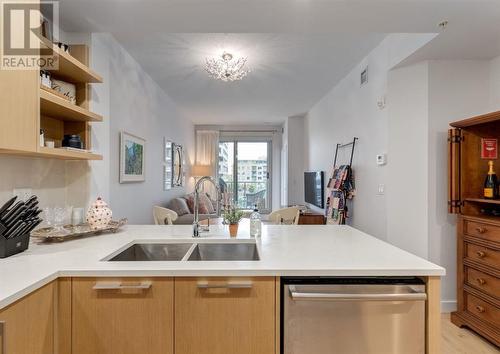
point(481, 230)
point(479, 309)
point(3, 335)
point(120, 286)
point(481, 281)
point(242, 284)
point(481, 254)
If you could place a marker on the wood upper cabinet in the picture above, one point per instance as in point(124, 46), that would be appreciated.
point(19, 110)
point(27, 326)
point(225, 315)
point(122, 316)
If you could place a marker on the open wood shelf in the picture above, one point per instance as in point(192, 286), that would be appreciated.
point(53, 153)
point(481, 200)
point(481, 119)
point(60, 108)
point(67, 154)
point(70, 69)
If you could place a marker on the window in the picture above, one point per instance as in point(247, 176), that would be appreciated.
point(243, 166)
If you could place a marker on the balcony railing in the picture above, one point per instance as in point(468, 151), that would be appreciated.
point(250, 193)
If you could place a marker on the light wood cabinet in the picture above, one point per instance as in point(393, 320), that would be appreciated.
point(26, 108)
point(122, 316)
point(225, 315)
point(28, 324)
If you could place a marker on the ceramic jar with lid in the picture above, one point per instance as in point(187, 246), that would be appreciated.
point(99, 214)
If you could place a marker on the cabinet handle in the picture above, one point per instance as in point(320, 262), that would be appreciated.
point(241, 284)
point(479, 309)
point(3, 335)
point(119, 286)
point(481, 230)
point(481, 281)
point(481, 254)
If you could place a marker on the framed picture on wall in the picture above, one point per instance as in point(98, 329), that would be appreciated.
point(132, 158)
point(167, 164)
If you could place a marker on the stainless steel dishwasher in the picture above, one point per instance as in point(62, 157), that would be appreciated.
point(353, 316)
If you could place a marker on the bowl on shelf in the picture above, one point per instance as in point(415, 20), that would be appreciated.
point(72, 141)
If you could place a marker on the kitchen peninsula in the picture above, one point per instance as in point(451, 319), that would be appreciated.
point(143, 301)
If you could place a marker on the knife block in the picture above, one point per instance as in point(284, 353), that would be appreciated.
point(12, 246)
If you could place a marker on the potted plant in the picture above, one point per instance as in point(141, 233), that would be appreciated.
point(232, 217)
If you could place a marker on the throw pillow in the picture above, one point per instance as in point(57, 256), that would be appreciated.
point(208, 203)
point(202, 208)
point(179, 205)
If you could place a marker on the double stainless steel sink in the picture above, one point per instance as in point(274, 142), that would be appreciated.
point(234, 251)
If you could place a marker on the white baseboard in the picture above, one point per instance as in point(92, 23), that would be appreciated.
point(448, 306)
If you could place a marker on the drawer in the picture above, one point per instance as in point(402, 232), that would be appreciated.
point(484, 231)
point(485, 282)
point(483, 309)
point(482, 254)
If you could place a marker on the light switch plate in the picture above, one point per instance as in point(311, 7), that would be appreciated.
point(381, 189)
point(381, 159)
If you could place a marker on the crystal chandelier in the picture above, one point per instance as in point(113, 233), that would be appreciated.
point(225, 68)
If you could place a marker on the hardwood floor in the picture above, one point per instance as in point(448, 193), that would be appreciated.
point(456, 340)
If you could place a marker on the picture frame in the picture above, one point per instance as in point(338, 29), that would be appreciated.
point(167, 164)
point(132, 158)
point(178, 173)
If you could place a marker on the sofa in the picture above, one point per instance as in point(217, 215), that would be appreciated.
point(184, 207)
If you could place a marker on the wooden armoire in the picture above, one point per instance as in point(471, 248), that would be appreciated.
point(478, 228)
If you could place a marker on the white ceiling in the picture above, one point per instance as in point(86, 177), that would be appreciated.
point(289, 72)
point(297, 49)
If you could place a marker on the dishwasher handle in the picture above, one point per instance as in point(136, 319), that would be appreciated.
point(410, 295)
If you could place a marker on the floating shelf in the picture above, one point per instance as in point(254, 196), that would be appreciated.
point(67, 154)
point(61, 109)
point(54, 153)
point(70, 69)
point(480, 200)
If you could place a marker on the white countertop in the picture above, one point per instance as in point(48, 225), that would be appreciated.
point(308, 250)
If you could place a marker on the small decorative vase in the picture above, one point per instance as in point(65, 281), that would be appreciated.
point(99, 215)
point(233, 230)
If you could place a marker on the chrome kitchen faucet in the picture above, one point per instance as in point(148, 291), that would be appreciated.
point(196, 222)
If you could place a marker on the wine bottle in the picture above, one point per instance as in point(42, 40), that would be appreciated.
point(491, 183)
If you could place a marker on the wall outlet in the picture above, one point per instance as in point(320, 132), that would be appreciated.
point(22, 193)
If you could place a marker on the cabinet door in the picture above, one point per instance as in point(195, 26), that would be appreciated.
point(122, 316)
point(454, 193)
point(28, 324)
point(19, 110)
point(225, 315)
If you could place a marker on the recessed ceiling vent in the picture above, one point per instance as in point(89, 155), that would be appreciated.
point(364, 76)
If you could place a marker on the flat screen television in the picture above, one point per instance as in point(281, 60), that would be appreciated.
point(314, 189)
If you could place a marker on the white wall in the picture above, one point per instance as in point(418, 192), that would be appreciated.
point(139, 106)
point(284, 165)
point(495, 84)
point(349, 111)
point(422, 99)
point(457, 90)
point(407, 169)
point(129, 100)
point(295, 160)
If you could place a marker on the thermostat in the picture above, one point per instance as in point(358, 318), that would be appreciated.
point(381, 159)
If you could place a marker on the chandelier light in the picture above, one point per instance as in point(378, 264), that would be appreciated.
point(226, 68)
